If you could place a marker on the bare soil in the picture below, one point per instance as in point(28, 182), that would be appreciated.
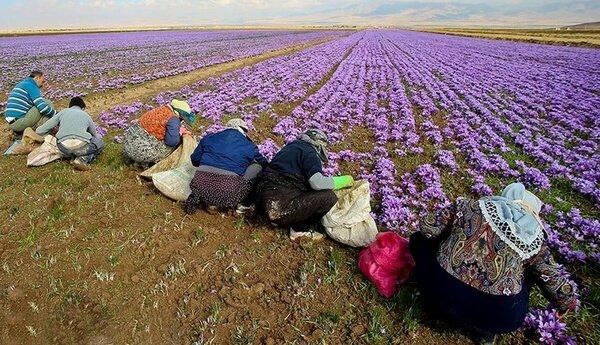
point(100, 257)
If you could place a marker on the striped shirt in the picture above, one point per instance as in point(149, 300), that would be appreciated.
point(25, 96)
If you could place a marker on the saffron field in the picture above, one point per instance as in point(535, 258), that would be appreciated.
point(81, 63)
point(425, 118)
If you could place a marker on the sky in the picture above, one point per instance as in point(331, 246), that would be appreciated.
point(61, 14)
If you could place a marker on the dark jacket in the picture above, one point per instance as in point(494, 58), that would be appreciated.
point(299, 159)
point(229, 150)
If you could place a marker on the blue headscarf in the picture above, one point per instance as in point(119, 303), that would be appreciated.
point(520, 208)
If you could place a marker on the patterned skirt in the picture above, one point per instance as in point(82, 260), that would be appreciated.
point(222, 191)
point(141, 146)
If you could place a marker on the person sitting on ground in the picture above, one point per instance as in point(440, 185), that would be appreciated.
point(293, 190)
point(477, 259)
point(25, 106)
point(77, 137)
point(158, 133)
point(228, 164)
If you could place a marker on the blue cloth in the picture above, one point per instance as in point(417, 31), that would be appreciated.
point(297, 158)
point(172, 136)
point(510, 207)
point(228, 150)
point(24, 96)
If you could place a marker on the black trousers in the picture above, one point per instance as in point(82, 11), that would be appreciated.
point(290, 206)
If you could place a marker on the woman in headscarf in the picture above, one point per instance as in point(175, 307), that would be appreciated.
point(228, 163)
point(293, 190)
point(158, 133)
point(477, 259)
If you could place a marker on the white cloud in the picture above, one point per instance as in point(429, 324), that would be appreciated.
point(36, 14)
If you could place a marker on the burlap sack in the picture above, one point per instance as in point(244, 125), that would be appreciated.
point(350, 221)
point(46, 153)
point(179, 158)
point(175, 183)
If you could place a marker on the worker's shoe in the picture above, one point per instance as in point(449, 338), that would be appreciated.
point(80, 164)
point(245, 211)
point(313, 236)
point(211, 209)
point(310, 232)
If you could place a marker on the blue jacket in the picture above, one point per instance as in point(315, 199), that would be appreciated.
point(24, 96)
point(228, 150)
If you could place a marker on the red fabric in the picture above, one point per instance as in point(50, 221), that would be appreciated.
point(155, 121)
point(387, 262)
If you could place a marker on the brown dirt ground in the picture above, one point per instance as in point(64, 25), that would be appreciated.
point(172, 278)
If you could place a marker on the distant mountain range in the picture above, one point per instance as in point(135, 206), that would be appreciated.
point(504, 13)
point(584, 26)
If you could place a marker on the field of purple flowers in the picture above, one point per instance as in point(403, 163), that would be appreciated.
point(426, 118)
point(83, 63)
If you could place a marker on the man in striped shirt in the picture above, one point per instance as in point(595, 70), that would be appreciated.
point(25, 106)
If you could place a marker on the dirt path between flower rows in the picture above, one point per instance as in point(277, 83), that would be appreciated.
point(98, 102)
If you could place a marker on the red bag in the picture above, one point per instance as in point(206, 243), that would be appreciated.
point(387, 262)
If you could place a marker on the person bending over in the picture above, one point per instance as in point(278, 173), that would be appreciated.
point(158, 133)
point(26, 106)
point(293, 190)
point(77, 137)
point(477, 259)
point(228, 164)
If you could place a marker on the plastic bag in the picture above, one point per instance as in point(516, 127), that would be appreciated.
point(46, 153)
point(175, 183)
point(387, 262)
point(350, 221)
point(181, 157)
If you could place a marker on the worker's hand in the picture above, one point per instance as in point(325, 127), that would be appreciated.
point(184, 131)
point(340, 182)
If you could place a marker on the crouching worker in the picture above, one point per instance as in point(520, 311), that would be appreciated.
point(77, 137)
point(228, 163)
point(293, 191)
point(25, 106)
point(158, 133)
point(477, 259)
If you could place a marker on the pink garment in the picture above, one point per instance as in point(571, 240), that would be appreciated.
point(387, 262)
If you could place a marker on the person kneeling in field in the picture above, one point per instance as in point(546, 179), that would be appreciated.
point(293, 191)
point(477, 259)
point(26, 107)
point(228, 163)
point(77, 137)
point(158, 133)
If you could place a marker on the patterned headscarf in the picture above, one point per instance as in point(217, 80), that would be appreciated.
point(514, 216)
point(318, 139)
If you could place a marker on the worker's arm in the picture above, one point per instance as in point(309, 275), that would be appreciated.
point(554, 281)
point(197, 155)
point(172, 136)
point(39, 102)
point(259, 158)
point(48, 125)
point(93, 130)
